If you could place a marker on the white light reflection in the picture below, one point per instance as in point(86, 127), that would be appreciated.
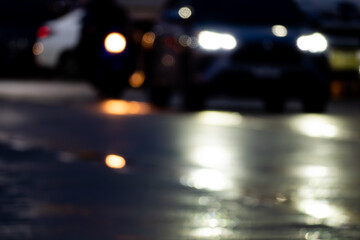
point(219, 118)
point(323, 211)
point(317, 209)
point(315, 235)
point(315, 171)
point(211, 156)
point(206, 179)
point(209, 232)
point(316, 126)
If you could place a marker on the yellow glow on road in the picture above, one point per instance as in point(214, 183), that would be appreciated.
point(115, 161)
point(219, 118)
point(115, 43)
point(121, 107)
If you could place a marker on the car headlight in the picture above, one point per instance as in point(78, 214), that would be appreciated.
point(115, 43)
point(213, 41)
point(314, 43)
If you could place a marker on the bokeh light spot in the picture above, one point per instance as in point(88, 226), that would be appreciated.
point(279, 31)
point(185, 12)
point(148, 40)
point(137, 79)
point(115, 43)
point(38, 48)
point(115, 161)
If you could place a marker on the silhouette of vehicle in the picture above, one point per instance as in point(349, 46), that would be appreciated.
point(260, 48)
point(56, 43)
point(94, 42)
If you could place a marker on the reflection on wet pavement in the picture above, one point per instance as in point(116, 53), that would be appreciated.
point(121, 107)
point(126, 173)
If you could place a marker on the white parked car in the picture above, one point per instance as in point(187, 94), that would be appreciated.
point(56, 41)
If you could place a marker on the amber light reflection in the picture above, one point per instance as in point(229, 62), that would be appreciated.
point(121, 107)
point(115, 161)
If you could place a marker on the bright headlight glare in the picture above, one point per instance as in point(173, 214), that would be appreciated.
point(314, 43)
point(115, 43)
point(215, 41)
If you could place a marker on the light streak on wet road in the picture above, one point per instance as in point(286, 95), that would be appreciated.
point(122, 170)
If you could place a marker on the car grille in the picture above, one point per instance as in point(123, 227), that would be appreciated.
point(274, 53)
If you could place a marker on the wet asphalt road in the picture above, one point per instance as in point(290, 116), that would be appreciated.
point(234, 174)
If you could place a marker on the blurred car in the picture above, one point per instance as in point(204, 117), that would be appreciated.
point(94, 42)
point(260, 48)
point(342, 28)
point(56, 43)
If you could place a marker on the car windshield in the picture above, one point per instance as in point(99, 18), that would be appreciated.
point(254, 12)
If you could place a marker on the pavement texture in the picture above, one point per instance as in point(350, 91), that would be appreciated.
point(77, 168)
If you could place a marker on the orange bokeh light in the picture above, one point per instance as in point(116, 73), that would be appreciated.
point(115, 161)
point(137, 79)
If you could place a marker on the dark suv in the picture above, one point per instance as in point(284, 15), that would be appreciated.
point(259, 48)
